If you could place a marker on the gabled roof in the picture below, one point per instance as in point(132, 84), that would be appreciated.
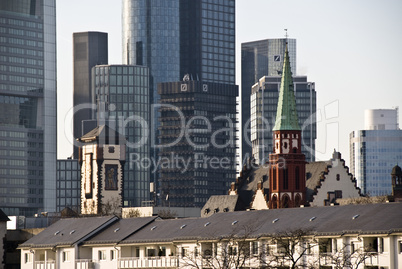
point(68, 232)
point(222, 203)
point(3, 216)
point(103, 134)
point(120, 230)
point(321, 221)
point(286, 114)
point(314, 174)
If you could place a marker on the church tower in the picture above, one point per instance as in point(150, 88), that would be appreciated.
point(102, 156)
point(287, 183)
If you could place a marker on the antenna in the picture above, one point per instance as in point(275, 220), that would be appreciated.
point(286, 33)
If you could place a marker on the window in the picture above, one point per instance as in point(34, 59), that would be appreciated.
point(254, 248)
point(338, 177)
point(113, 255)
point(102, 255)
point(380, 244)
point(400, 246)
point(66, 256)
point(28, 257)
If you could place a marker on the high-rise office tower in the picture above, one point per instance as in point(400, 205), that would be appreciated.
point(179, 37)
point(264, 100)
point(90, 49)
point(27, 106)
point(122, 99)
point(197, 158)
point(375, 151)
point(260, 58)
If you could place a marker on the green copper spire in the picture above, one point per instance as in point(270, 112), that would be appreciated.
point(286, 114)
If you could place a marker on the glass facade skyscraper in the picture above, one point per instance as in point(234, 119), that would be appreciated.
point(179, 37)
point(90, 49)
point(122, 97)
point(27, 106)
point(198, 136)
point(374, 152)
point(264, 102)
point(260, 58)
point(207, 40)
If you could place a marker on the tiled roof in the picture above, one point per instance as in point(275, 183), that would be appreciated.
point(103, 133)
point(334, 220)
point(120, 230)
point(314, 170)
point(3, 216)
point(67, 232)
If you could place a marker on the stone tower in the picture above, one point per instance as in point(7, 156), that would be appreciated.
point(101, 155)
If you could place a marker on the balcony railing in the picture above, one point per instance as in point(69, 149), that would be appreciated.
point(157, 262)
point(45, 265)
point(84, 264)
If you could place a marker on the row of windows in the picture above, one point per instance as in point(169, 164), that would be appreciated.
point(21, 42)
point(18, 60)
point(21, 51)
point(22, 70)
point(21, 23)
point(19, 79)
point(20, 32)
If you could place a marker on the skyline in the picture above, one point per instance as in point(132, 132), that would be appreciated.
point(347, 57)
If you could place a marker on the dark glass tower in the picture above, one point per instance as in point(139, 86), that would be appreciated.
point(179, 37)
point(90, 49)
point(27, 106)
point(122, 97)
point(207, 40)
point(197, 134)
point(260, 58)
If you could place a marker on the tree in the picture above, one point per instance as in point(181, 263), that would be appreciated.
point(351, 256)
point(288, 249)
point(228, 252)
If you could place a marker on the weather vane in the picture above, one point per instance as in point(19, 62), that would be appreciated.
point(286, 33)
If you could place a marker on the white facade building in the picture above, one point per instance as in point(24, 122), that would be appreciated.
point(368, 236)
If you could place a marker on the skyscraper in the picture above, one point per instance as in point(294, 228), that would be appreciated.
point(122, 100)
point(90, 49)
point(264, 100)
point(197, 158)
point(375, 151)
point(28, 106)
point(260, 58)
point(179, 37)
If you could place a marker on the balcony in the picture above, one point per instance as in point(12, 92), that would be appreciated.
point(156, 262)
point(84, 264)
point(45, 265)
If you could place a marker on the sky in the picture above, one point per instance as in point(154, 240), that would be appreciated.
point(351, 49)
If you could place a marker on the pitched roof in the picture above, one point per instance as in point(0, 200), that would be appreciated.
point(67, 232)
point(314, 173)
point(286, 115)
point(221, 203)
point(3, 216)
point(120, 230)
point(103, 134)
point(322, 221)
